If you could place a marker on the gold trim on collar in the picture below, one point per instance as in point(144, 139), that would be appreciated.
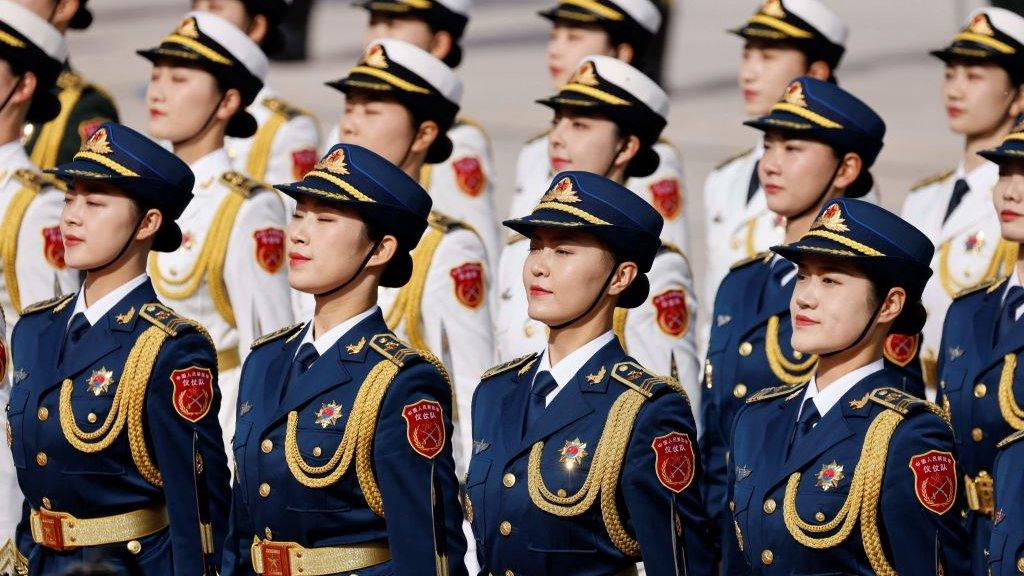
point(200, 48)
point(597, 8)
point(806, 114)
point(986, 40)
point(779, 25)
point(390, 78)
point(595, 93)
point(106, 162)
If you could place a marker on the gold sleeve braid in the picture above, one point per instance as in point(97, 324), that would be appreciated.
point(783, 369)
point(1001, 264)
point(10, 228)
point(407, 305)
point(1008, 407)
point(862, 501)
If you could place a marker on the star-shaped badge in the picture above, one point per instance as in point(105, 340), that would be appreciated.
point(328, 414)
point(830, 476)
point(100, 381)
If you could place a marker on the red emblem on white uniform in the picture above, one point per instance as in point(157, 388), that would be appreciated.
point(674, 460)
point(468, 279)
point(193, 392)
point(666, 197)
point(469, 175)
point(424, 425)
point(269, 249)
point(935, 480)
point(53, 247)
point(302, 162)
point(673, 317)
point(901, 349)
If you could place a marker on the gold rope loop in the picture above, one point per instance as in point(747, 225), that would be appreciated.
point(407, 305)
point(785, 370)
point(262, 143)
point(9, 231)
point(1002, 262)
point(1011, 411)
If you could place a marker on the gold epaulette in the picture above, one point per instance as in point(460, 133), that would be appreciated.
point(1010, 439)
point(522, 361)
point(279, 106)
point(69, 80)
point(991, 285)
point(241, 183)
point(56, 304)
point(775, 392)
point(733, 158)
point(29, 178)
point(390, 347)
point(766, 255)
point(929, 180)
point(900, 401)
point(668, 247)
point(277, 335)
point(166, 319)
point(12, 561)
point(536, 137)
point(645, 382)
point(517, 237)
point(446, 224)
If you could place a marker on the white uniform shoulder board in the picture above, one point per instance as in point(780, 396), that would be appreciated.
point(929, 180)
point(29, 178)
point(733, 158)
point(279, 106)
point(241, 183)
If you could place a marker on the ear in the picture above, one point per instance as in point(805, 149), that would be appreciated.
point(441, 44)
point(892, 306)
point(1017, 103)
point(625, 53)
point(230, 104)
point(629, 151)
point(849, 171)
point(624, 277)
point(151, 223)
point(25, 89)
point(819, 70)
point(258, 28)
point(386, 250)
point(425, 136)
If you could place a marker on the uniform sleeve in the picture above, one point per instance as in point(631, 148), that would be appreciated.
point(42, 273)
point(404, 473)
point(295, 150)
point(236, 558)
point(256, 257)
point(661, 488)
point(181, 416)
point(10, 494)
point(93, 109)
point(473, 175)
point(455, 297)
point(922, 499)
point(1006, 545)
point(726, 530)
point(714, 446)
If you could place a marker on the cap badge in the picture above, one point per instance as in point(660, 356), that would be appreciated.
point(334, 163)
point(795, 95)
point(97, 143)
point(980, 25)
point(832, 219)
point(188, 28)
point(376, 57)
point(586, 75)
point(773, 8)
point(562, 192)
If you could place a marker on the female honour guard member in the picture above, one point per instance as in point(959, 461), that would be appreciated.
point(848, 474)
point(982, 94)
point(343, 446)
point(113, 423)
point(204, 74)
point(584, 462)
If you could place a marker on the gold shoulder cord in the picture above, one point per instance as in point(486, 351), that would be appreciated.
point(1011, 411)
point(44, 153)
point(209, 264)
point(602, 479)
point(9, 239)
point(262, 142)
point(862, 501)
point(619, 326)
point(408, 303)
point(1001, 264)
point(785, 370)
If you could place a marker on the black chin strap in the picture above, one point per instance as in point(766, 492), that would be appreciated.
point(814, 206)
point(618, 150)
point(121, 252)
point(863, 333)
point(597, 300)
point(11, 93)
point(355, 275)
point(203, 127)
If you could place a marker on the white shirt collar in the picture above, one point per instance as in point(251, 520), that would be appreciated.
point(211, 166)
point(98, 309)
point(983, 177)
point(825, 399)
point(567, 367)
point(331, 337)
point(1013, 280)
point(13, 157)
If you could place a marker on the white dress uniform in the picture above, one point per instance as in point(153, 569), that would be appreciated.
point(968, 246)
point(10, 493)
point(230, 273)
point(444, 308)
point(31, 247)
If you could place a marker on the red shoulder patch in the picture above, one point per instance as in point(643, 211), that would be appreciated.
point(667, 198)
point(193, 392)
point(269, 249)
point(674, 461)
point(468, 279)
point(469, 175)
point(53, 247)
point(935, 480)
point(424, 426)
point(303, 161)
point(901, 349)
point(673, 316)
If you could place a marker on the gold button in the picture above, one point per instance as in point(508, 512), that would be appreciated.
point(798, 355)
point(317, 451)
point(980, 390)
point(91, 417)
point(767, 557)
point(1020, 565)
point(267, 445)
point(561, 493)
point(505, 528)
point(820, 516)
point(268, 533)
point(41, 459)
point(46, 503)
point(509, 573)
point(134, 547)
point(740, 390)
point(977, 434)
point(264, 490)
point(43, 414)
point(509, 480)
point(746, 348)
point(942, 384)
point(732, 506)
point(769, 506)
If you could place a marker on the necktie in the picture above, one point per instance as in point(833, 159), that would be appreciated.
point(76, 332)
point(303, 360)
point(809, 416)
point(960, 189)
point(1008, 319)
point(775, 290)
point(543, 384)
point(754, 184)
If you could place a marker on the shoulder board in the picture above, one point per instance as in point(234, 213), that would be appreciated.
point(70, 80)
point(517, 237)
point(901, 402)
point(277, 335)
point(56, 304)
point(446, 224)
point(166, 319)
point(241, 183)
point(747, 261)
point(776, 392)
point(523, 363)
point(29, 178)
point(1010, 439)
point(667, 247)
point(536, 137)
point(667, 142)
point(733, 158)
point(929, 180)
point(278, 106)
point(990, 285)
point(635, 376)
point(389, 346)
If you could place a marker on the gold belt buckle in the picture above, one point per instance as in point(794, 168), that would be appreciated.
point(276, 561)
point(52, 530)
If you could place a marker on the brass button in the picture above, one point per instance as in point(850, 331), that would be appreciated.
point(41, 459)
point(91, 417)
point(264, 490)
point(767, 557)
point(977, 434)
point(43, 414)
point(505, 528)
point(740, 390)
point(746, 348)
point(317, 451)
point(942, 384)
point(561, 493)
point(267, 446)
point(798, 355)
point(46, 503)
point(820, 516)
point(732, 506)
point(134, 547)
point(509, 480)
point(1020, 565)
point(769, 506)
point(509, 573)
point(980, 390)
point(268, 533)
